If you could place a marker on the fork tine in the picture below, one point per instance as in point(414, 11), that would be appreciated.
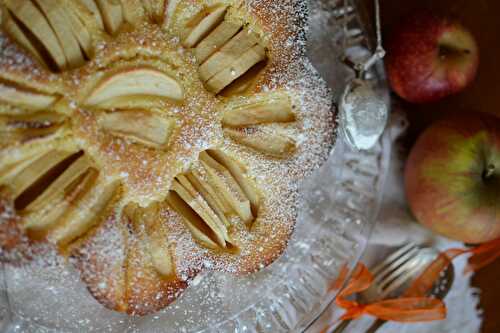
point(409, 260)
point(401, 280)
point(395, 264)
point(414, 261)
point(376, 270)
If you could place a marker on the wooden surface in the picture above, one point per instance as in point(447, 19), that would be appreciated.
point(482, 17)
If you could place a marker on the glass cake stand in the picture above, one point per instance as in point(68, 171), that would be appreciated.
point(339, 205)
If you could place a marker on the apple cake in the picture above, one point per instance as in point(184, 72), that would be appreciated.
point(147, 141)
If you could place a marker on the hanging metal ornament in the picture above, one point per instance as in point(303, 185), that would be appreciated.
point(363, 112)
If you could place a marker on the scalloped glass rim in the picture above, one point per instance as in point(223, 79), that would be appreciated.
point(340, 203)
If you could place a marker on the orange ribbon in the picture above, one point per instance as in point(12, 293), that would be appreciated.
point(481, 256)
point(484, 255)
point(408, 309)
point(413, 306)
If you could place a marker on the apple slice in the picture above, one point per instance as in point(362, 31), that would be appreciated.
point(209, 195)
point(133, 82)
point(245, 83)
point(75, 205)
point(201, 208)
point(158, 10)
point(87, 211)
point(25, 157)
point(81, 33)
point(22, 128)
point(57, 188)
point(37, 169)
point(24, 136)
point(215, 40)
point(58, 20)
point(268, 143)
point(111, 13)
point(29, 15)
point(276, 108)
point(145, 220)
point(228, 189)
point(25, 98)
point(171, 7)
point(228, 54)
point(229, 74)
point(161, 257)
point(131, 14)
point(217, 222)
point(158, 245)
point(147, 6)
point(15, 32)
point(94, 10)
point(204, 181)
point(143, 127)
point(39, 223)
point(154, 9)
point(238, 172)
point(47, 208)
point(31, 121)
point(134, 11)
point(205, 26)
point(199, 230)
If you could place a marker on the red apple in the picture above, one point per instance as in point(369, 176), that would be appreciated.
point(430, 57)
point(452, 178)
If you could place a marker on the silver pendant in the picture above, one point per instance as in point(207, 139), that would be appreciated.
point(363, 115)
point(363, 112)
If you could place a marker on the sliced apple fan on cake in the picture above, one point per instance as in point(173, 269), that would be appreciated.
point(148, 141)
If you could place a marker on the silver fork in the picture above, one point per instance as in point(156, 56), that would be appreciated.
point(394, 275)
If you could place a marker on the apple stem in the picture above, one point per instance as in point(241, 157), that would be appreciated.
point(446, 51)
point(490, 170)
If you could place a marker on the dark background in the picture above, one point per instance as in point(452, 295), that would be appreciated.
point(482, 17)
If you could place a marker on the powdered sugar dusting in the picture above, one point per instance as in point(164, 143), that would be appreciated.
point(15, 62)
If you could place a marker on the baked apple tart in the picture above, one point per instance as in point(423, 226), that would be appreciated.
point(147, 141)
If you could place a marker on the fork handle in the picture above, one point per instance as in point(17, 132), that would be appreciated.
point(376, 325)
point(342, 326)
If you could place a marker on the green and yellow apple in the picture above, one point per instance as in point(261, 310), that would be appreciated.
point(452, 178)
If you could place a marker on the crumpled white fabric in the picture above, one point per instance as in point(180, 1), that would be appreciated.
point(396, 227)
